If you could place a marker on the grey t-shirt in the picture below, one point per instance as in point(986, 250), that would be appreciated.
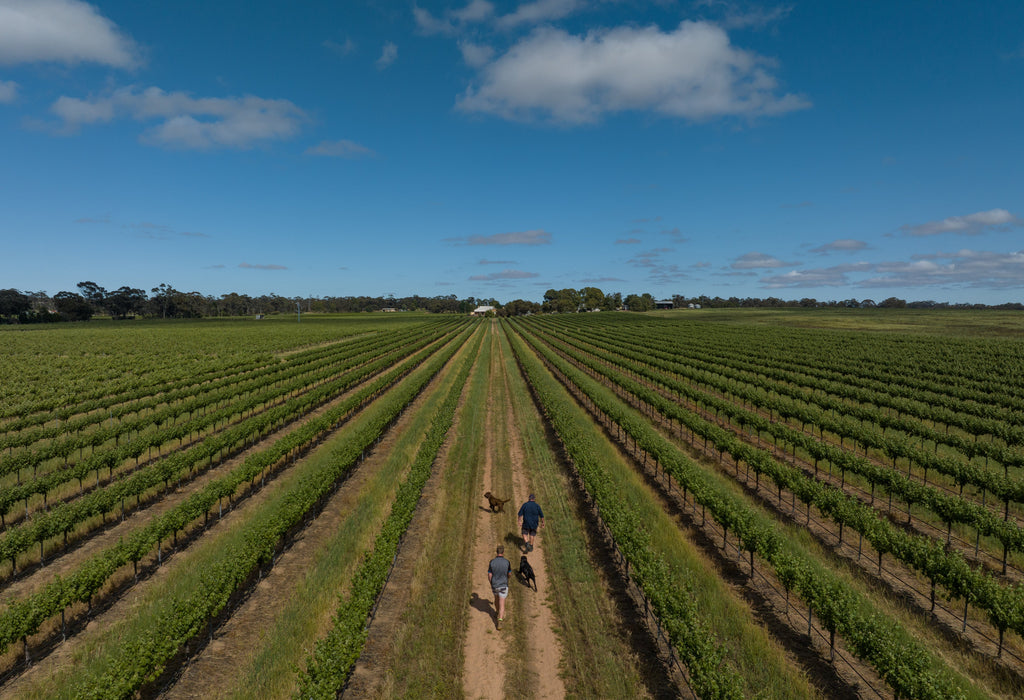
point(499, 568)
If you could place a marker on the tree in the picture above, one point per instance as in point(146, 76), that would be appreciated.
point(72, 307)
point(519, 307)
point(94, 294)
point(591, 298)
point(640, 302)
point(13, 304)
point(563, 301)
point(162, 297)
point(892, 303)
point(125, 302)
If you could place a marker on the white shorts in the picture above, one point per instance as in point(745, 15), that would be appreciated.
point(501, 592)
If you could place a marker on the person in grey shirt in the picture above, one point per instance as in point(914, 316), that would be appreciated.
point(497, 573)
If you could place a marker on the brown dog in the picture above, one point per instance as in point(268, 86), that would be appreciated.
point(497, 504)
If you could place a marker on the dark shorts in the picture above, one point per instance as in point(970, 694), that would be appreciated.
point(530, 531)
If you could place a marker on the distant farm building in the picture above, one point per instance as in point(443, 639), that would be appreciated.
point(664, 304)
point(482, 311)
point(389, 310)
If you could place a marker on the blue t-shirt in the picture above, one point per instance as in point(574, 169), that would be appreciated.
point(531, 514)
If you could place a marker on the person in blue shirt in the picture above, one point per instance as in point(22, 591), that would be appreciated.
point(531, 519)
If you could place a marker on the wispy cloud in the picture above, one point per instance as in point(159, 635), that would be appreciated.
point(184, 121)
point(388, 55)
point(539, 11)
point(533, 237)
point(452, 21)
point(504, 275)
point(250, 266)
point(843, 245)
point(969, 225)
point(8, 91)
point(628, 241)
point(339, 149)
point(343, 48)
point(63, 31)
point(692, 72)
point(735, 15)
point(104, 219)
point(754, 261)
point(484, 261)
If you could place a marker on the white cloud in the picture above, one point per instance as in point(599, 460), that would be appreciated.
point(970, 225)
point(339, 149)
point(692, 72)
point(539, 11)
point(185, 121)
point(751, 261)
point(388, 55)
point(8, 91)
point(66, 31)
point(964, 268)
point(819, 277)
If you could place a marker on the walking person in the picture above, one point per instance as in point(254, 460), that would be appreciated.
point(531, 518)
point(498, 572)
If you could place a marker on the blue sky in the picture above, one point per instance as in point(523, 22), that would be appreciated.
point(831, 150)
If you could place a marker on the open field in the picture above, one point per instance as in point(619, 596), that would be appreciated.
point(738, 503)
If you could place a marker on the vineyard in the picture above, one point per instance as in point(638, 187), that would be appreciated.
point(733, 507)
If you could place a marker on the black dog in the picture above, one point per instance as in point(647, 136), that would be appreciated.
point(526, 573)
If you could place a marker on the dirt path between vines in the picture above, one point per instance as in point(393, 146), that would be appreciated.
point(528, 637)
point(485, 648)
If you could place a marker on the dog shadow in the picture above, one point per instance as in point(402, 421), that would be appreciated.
point(517, 541)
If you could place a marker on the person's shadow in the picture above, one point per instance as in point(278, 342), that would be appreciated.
point(484, 606)
point(514, 540)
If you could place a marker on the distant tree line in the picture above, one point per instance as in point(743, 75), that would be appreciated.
point(164, 301)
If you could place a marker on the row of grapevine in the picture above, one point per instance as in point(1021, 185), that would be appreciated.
point(60, 520)
point(329, 665)
point(904, 664)
point(140, 660)
point(24, 617)
point(689, 631)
